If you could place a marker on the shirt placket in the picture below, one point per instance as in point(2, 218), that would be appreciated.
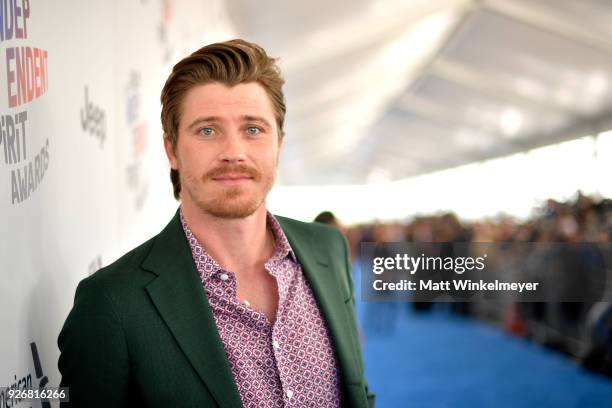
point(227, 280)
point(280, 344)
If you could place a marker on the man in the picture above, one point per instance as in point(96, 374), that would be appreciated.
point(228, 306)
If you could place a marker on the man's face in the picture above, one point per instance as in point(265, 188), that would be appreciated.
point(227, 149)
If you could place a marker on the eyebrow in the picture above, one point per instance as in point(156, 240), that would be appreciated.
point(256, 119)
point(216, 119)
point(206, 119)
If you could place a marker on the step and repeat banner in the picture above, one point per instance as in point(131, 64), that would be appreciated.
point(83, 175)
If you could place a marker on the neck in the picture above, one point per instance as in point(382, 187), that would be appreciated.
point(240, 245)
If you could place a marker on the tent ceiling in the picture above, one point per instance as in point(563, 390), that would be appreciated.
point(390, 89)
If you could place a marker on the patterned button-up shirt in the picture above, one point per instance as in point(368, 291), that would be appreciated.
point(289, 363)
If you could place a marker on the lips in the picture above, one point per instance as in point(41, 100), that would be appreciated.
point(232, 180)
point(233, 177)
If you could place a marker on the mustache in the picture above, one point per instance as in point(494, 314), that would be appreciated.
point(233, 169)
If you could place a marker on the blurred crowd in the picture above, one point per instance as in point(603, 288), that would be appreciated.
point(581, 329)
point(583, 219)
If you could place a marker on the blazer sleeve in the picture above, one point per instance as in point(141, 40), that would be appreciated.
point(370, 395)
point(94, 361)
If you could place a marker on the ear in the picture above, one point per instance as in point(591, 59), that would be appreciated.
point(280, 142)
point(170, 153)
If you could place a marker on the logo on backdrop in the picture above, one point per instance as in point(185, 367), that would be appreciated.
point(26, 73)
point(93, 119)
point(136, 181)
point(27, 79)
point(25, 382)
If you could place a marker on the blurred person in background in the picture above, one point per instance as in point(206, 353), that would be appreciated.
point(327, 217)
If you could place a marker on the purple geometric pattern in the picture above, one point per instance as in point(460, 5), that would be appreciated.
point(290, 363)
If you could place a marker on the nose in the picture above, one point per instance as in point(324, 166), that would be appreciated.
point(233, 149)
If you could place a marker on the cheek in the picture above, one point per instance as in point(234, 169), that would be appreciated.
point(193, 159)
point(271, 160)
point(270, 155)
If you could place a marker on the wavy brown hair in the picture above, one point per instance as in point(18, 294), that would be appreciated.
point(231, 63)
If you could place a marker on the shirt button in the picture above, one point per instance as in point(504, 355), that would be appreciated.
point(224, 276)
point(289, 393)
point(275, 344)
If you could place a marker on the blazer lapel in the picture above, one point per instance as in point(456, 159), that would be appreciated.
point(180, 299)
point(312, 256)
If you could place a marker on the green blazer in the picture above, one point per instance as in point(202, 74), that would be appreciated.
point(141, 331)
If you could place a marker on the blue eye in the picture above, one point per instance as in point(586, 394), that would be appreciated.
point(252, 130)
point(207, 131)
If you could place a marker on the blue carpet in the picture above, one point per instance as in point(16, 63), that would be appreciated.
point(440, 360)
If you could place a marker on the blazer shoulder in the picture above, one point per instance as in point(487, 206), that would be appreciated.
point(125, 269)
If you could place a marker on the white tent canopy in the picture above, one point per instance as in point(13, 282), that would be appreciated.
point(385, 90)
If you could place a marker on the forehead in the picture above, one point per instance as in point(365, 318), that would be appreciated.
point(226, 102)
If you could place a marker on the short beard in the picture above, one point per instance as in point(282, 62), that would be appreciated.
point(229, 205)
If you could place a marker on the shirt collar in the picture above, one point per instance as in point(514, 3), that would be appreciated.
point(282, 247)
point(208, 266)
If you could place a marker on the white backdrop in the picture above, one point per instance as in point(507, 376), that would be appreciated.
point(99, 183)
